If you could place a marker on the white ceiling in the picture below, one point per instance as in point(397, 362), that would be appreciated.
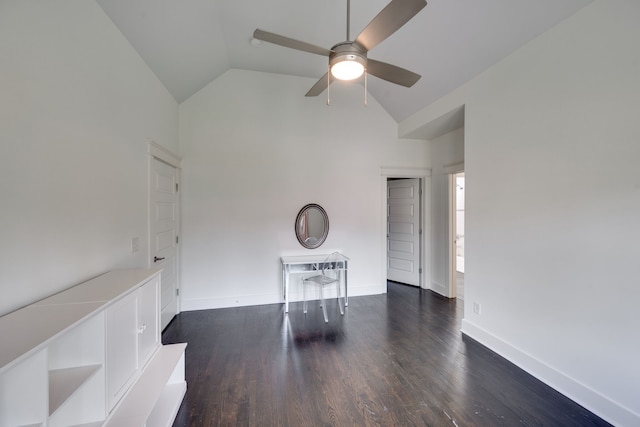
point(189, 43)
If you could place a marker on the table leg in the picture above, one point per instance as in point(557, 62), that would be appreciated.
point(346, 294)
point(285, 287)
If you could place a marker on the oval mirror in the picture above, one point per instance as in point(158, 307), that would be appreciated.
point(312, 226)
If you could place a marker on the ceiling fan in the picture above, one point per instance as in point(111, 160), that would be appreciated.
point(348, 59)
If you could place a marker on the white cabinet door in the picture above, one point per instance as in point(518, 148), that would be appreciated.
point(148, 328)
point(133, 334)
point(122, 343)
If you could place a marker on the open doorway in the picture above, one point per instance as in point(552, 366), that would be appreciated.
point(458, 243)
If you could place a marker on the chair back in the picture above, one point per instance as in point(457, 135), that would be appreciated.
point(332, 265)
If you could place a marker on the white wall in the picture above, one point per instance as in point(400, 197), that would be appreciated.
point(446, 151)
point(77, 105)
point(552, 143)
point(255, 150)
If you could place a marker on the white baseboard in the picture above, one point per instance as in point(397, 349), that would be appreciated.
point(249, 300)
point(366, 290)
point(439, 288)
point(232, 301)
point(595, 402)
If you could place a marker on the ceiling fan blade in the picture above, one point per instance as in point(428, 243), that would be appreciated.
point(391, 73)
point(320, 85)
point(388, 21)
point(290, 43)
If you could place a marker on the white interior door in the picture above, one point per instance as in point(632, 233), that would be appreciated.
point(163, 232)
point(403, 231)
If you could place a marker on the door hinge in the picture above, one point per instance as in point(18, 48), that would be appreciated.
point(177, 291)
point(420, 271)
point(176, 187)
point(177, 240)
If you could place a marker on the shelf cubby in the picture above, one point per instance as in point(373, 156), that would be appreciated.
point(63, 383)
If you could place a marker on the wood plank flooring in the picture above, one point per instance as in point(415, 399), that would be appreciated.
point(393, 360)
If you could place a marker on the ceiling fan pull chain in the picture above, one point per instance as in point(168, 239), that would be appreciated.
point(365, 88)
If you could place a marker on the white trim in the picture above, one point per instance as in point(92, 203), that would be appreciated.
point(159, 152)
point(424, 174)
point(454, 168)
point(439, 288)
point(595, 402)
point(400, 172)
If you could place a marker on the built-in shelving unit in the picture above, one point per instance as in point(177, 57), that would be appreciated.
point(91, 356)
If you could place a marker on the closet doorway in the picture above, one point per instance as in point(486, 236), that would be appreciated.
point(423, 176)
point(404, 218)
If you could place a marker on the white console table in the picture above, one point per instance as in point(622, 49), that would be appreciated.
point(91, 356)
point(306, 264)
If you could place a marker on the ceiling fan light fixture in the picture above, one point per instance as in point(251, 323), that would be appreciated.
point(349, 67)
point(346, 62)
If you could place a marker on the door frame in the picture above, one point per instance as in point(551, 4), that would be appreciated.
point(155, 150)
point(415, 217)
point(424, 174)
point(451, 171)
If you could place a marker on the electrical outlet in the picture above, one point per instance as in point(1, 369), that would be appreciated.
point(135, 244)
point(476, 308)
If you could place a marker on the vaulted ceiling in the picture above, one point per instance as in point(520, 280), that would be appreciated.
point(189, 43)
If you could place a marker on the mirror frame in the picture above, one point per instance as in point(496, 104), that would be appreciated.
point(325, 218)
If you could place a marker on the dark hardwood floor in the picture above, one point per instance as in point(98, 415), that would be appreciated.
point(393, 360)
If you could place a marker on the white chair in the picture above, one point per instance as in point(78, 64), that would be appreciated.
point(331, 269)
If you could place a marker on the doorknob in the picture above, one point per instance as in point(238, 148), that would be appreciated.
point(156, 259)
